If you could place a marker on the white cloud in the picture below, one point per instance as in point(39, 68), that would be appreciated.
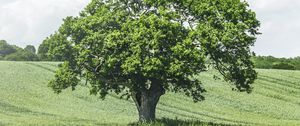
point(280, 27)
point(24, 22)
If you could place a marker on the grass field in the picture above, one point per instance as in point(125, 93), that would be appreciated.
point(25, 99)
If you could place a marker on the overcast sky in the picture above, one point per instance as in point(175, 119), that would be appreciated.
point(24, 22)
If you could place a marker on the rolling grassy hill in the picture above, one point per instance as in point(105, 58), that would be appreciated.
point(25, 99)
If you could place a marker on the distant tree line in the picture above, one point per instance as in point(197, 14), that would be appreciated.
point(54, 48)
point(270, 62)
point(14, 53)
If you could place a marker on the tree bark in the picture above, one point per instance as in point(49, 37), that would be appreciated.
point(146, 101)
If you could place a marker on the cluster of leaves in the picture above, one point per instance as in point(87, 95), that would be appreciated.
point(55, 48)
point(121, 45)
point(15, 53)
point(270, 62)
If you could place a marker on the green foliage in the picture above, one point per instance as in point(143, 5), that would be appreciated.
point(144, 48)
point(70, 79)
point(121, 45)
point(55, 48)
point(270, 62)
point(285, 66)
point(5, 48)
point(296, 62)
point(26, 101)
point(30, 48)
point(264, 62)
point(42, 51)
point(22, 55)
point(15, 53)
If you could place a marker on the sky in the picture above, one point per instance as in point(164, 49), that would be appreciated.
point(24, 22)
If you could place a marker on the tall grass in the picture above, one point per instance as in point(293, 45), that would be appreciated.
point(26, 100)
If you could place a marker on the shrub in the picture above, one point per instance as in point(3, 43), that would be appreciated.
point(282, 65)
point(21, 55)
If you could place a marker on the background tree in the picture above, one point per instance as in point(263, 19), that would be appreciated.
point(283, 65)
point(15, 53)
point(270, 62)
point(30, 48)
point(22, 55)
point(143, 48)
point(55, 48)
point(265, 62)
point(43, 50)
point(296, 62)
point(5, 48)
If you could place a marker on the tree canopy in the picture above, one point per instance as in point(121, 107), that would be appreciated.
point(55, 48)
point(5, 48)
point(143, 48)
point(30, 48)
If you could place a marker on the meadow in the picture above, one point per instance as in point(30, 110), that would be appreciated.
point(25, 99)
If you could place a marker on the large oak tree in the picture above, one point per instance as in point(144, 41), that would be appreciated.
point(143, 48)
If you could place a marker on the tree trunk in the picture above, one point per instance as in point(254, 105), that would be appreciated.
point(146, 101)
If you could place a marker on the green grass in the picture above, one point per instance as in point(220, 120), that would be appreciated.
point(25, 99)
